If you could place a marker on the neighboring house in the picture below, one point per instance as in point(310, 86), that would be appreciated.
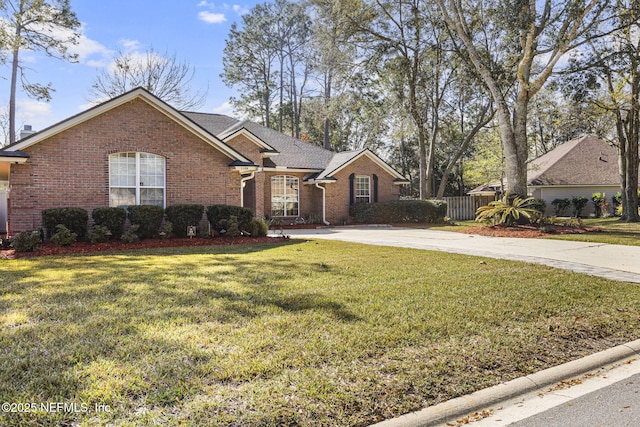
point(136, 149)
point(579, 167)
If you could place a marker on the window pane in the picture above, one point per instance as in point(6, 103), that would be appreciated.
point(122, 170)
point(277, 208)
point(152, 196)
point(122, 197)
point(277, 186)
point(151, 170)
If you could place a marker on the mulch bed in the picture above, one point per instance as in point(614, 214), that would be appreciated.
point(527, 231)
point(50, 248)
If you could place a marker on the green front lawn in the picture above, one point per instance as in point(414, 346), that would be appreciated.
point(304, 333)
point(613, 231)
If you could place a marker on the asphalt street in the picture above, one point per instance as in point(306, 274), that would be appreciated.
point(615, 405)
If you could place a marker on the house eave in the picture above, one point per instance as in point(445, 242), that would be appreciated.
point(571, 185)
point(13, 157)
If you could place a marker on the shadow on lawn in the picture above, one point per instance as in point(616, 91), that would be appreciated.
point(135, 334)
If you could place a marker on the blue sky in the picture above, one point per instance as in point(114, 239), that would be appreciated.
point(194, 30)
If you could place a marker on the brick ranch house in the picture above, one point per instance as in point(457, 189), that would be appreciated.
point(136, 149)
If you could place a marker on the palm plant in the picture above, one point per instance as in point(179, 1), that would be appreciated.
point(508, 210)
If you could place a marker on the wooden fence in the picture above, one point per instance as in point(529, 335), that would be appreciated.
point(464, 207)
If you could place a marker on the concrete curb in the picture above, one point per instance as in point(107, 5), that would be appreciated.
point(482, 399)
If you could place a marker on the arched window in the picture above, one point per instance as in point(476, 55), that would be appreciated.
point(136, 179)
point(285, 199)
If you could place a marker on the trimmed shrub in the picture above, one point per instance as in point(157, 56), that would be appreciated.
point(579, 203)
point(148, 218)
point(401, 211)
point(229, 227)
point(258, 228)
point(63, 236)
point(166, 230)
point(26, 242)
point(74, 219)
point(599, 200)
point(131, 236)
point(99, 234)
point(112, 218)
point(182, 216)
point(616, 199)
point(218, 213)
point(560, 206)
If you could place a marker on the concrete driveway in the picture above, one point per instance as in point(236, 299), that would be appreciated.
point(616, 262)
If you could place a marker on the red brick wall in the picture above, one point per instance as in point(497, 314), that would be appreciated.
point(337, 195)
point(72, 167)
point(248, 148)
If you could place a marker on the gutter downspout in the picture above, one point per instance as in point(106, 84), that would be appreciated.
point(242, 184)
point(324, 210)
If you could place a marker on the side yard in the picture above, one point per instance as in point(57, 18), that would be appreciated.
point(315, 333)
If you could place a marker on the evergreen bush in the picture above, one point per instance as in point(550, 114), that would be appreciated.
point(112, 218)
point(131, 236)
point(148, 218)
point(99, 234)
point(579, 203)
point(401, 211)
point(74, 219)
point(560, 206)
point(63, 236)
point(182, 216)
point(218, 213)
point(26, 242)
point(230, 227)
point(258, 228)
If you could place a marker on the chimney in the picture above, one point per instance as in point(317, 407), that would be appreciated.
point(27, 131)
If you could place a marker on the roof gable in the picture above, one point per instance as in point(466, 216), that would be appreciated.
point(138, 93)
point(584, 161)
point(344, 159)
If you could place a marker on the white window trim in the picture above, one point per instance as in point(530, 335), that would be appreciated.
point(137, 187)
point(357, 198)
point(284, 195)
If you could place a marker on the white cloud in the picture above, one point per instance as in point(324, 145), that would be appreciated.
point(89, 51)
point(240, 10)
point(212, 18)
point(226, 108)
point(130, 45)
point(34, 112)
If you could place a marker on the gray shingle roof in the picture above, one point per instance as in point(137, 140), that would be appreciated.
point(584, 161)
point(294, 153)
point(337, 161)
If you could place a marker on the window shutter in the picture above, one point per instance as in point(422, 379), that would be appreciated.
point(375, 188)
point(352, 190)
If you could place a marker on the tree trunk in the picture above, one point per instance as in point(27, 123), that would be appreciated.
point(422, 150)
point(484, 119)
point(14, 85)
point(327, 121)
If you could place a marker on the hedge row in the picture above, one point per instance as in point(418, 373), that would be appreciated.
point(402, 211)
point(149, 219)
